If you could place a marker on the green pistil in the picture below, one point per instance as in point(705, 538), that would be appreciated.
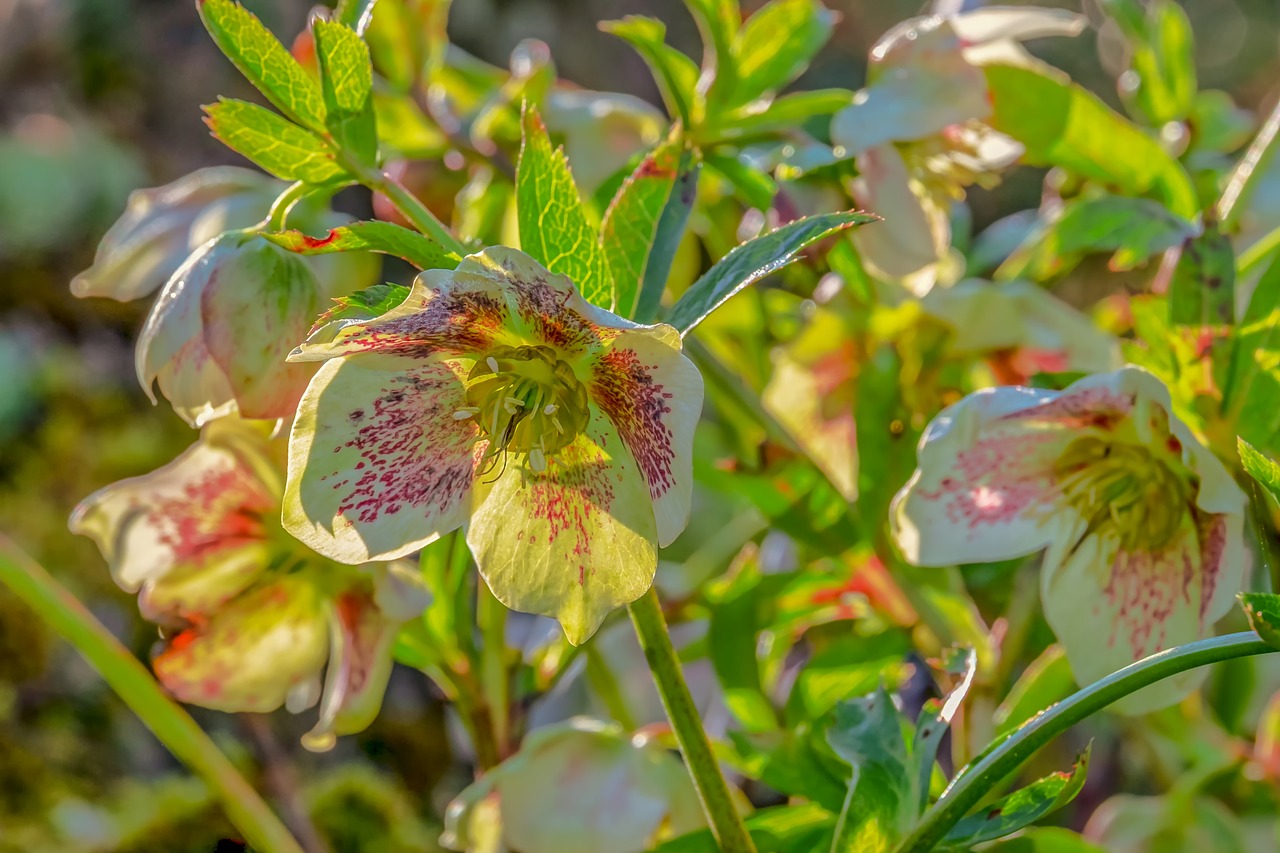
point(1125, 488)
point(526, 401)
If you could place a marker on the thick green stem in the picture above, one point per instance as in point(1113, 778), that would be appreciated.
point(284, 203)
point(713, 790)
point(601, 679)
point(492, 616)
point(1002, 759)
point(133, 683)
point(410, 207)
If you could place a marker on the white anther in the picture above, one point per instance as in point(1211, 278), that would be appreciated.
point(493, 363)
point(537, 460)
point(465, 412)
point(550, 409)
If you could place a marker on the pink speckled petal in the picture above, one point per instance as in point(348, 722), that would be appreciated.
point(378, 465)
point(575, 542)
point(192, 534)
point(984, 487)
point(1111, 607)
point(252, 652)
point(653, 396)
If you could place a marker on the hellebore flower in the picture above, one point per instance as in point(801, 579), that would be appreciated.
point(217, 337)
point(250, 615)
point(497, 399)
point(917, 135)
point(608, 792)
point(1142, 524)
point(162, 226)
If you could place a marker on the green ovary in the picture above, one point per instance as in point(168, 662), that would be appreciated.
point(526, 401)
point(1126, 489)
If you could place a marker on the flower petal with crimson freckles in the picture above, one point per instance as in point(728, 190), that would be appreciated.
point(378, 466)
point(575, 542)
point(653, 395)
point(251, 653)
point(361, 640)
point(251, 326)
point(193, 519)
point(980, 475)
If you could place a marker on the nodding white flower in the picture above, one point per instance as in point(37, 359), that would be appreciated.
point(609, 793)
point(1142, 525)
point(497, 399)
point(250, 615)
point(917, 131)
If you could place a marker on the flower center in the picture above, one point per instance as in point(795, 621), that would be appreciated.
point(1124, 486)
point(525, 400)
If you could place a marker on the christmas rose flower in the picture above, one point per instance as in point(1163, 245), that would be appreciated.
point(1140, 523)
point(250, 616)
point(495, 398)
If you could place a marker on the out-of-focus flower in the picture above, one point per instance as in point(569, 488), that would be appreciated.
point(162, 226)
point(252, 615)
point(578, 787)
point(217, 336)
point(602, 132)
point(496, 398)
point(1142, 524)
point(917, 135)
point(1020, 329)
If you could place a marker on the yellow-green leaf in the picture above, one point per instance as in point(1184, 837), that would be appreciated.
point(283, 149)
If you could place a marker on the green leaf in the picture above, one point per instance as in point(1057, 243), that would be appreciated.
point(867, 733)
point(553, 222)
point(718, 21)
point(346, 78)
point(777, 44)
point(1263, 612)
point(630, 229)
point(753, 185)
point(853, 665)
point(799, 828)
point(373, 236)
point(675, 73)
point(356, 14)
point(364, 304)
point(732, 639)
point(281, 148)
point(266, 63)
point(1253, 383)
point(1134, 229)
point(935, 720)
point(1022, 807)
point(748, 263)
point(1163, 85)
point(1259, 467)
point(784, 113)
point(1062, 124)
point(1202, 291)
point(1048, 839)
point(1046, 680)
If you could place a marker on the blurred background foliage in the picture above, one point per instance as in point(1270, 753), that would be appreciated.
point(100, 97)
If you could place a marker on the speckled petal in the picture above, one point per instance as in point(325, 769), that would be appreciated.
point(378, 465)
point(575, 542)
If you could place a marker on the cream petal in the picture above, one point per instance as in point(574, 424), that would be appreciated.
point(913, 238)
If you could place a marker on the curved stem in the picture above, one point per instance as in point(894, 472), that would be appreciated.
point(284, 203)
point(133, 683)
point(409, 206)
point(713, 790)
point(1006, 756)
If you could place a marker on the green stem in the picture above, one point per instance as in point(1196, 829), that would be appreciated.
point(409, 206)
point(602, 681)
point(1002, 759)
point(713, 791)
point(284, 203)
point(133, 683)
point(492, 616)
point(1249, 171)
point(1258, 254)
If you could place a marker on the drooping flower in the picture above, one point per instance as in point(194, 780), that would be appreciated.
point(217, 337)
point(1141, 524)
point(608, 792)
point(163, 225)
point(250, 615)
point(497, 399)
point(917, 131)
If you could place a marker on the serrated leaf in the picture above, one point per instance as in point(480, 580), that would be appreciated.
point(935, 719)
point(1133, 229)
point(364, 304)
point(777, 43)
point(1263, 612)
point(848, 666)
point(1022, 807)
point(346, 79)
point(1202, 290)
point(278, 146)
point(675, 73)
point(264, 61)
point(637, 259)
point(554, 228)
point(1061, 124)
point(748, 263)
point(1260, 468)
point(867, 733)
point(373, 236)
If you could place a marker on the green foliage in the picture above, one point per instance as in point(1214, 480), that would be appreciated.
point(777, 43)
point(283, 149)
point(346, 78)
point(1202, 291)
point(1162, 61)
point(1263, 612)
point(675, 73)
point(385, 237)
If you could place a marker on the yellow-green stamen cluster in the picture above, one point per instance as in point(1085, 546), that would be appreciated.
point(1129, 487)
point(526, 400)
